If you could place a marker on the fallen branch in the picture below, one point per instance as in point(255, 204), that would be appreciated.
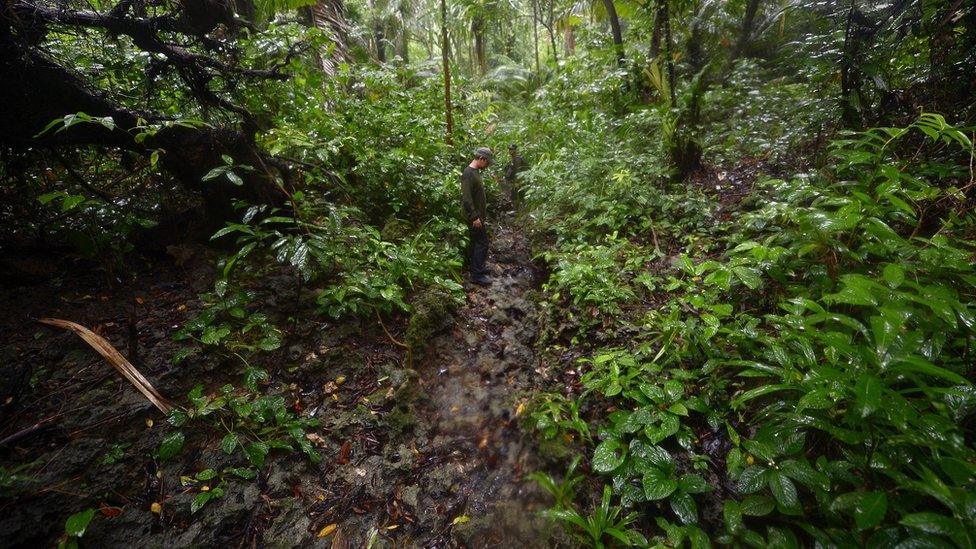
point(116, 359)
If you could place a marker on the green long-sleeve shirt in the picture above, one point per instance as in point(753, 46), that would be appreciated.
point(472, 194)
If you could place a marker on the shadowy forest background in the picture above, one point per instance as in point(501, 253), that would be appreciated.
point(752, 233)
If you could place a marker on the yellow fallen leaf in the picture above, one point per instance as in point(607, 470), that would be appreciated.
point(181, 308)
point(520, 408)
point(204, 488)
point(149, 422)
point(328, 530)
point(749, 459)
point(156, 507)
point(340, 380)
point(393, 527)
point(140, 300)
point(460, 519)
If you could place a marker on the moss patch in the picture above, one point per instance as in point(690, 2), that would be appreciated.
point(432, 309)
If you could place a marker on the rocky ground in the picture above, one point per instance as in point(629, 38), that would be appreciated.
point(417, 451)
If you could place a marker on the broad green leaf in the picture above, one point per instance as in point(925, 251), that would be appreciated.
point(657, 485)
point(693, 484)
point(206, 474)
point(867, 394)
point(71, 201)
point(234, 178)
point(608, 456)
point(753, 478)
point(684, 506)
point(893, 275)
point(784, 491)
point(870, 510)
point(932, 523)
point(171, 445)
point(256, 453)
point(77, 523)
point(757, 505)
point(200, 500)
point(732, 512)
point(229, 443)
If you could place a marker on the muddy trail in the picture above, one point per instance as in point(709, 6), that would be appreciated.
point(416, 451)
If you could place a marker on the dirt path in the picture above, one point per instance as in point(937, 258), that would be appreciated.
point(477, 374)
point(456, 478)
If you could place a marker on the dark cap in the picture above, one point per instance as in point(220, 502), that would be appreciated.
point(484, 152)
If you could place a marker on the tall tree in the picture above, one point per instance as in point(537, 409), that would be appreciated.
point(446, 58)
point(618, 40)
point(535, 32)
point(186, 41)
point(330, 16)
point(478, 32)
point(748, 24)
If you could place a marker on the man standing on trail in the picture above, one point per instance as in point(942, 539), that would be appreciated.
point(515, 165)
point(473, 201)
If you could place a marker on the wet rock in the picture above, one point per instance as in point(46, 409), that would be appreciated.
point(432, 313)
point(499, 318)
point(411, 496)
point(291, 527)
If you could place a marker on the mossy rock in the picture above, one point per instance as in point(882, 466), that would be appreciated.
point(432, 310)
point(396, 229)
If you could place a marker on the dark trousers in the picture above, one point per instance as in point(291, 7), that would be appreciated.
point(478, 250)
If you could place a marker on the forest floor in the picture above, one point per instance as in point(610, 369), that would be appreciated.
point(430, 453)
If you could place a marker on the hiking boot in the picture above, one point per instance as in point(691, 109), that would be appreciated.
point(481, 280)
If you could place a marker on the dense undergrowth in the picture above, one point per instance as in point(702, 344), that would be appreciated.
point(769, 345)
point(794, 370)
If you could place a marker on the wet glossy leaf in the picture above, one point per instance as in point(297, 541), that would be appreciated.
point(684, 506)
point(171, 445)
point(657, 485)
point(199, 501)
point(608, 456)
point(870, 510)
point(784, 491)
point(757, 506)
point(867, 394)
point(753, 478)
point(78, 523)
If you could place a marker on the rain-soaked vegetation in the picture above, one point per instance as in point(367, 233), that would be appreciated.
point(729, 298)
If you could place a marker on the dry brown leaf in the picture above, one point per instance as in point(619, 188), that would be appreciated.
point(116, 359)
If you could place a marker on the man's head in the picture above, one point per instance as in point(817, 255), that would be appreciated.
point(484, 157)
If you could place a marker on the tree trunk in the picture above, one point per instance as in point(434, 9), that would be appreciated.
point(748, 23)
point(403, 48)
point(668, 51)
point(618, 40)
point(478, 30)
point(378, 38)
point(850, 81)
point(445, 57)
point(658, 26)
point(330, 16)
point(569, 39)
point(535, 32)
point(188, 152)
point(552, 31)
